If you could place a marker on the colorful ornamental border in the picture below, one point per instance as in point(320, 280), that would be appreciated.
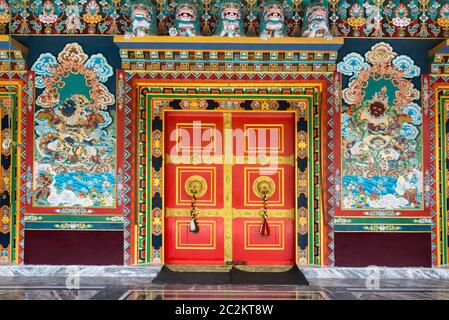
point(436, 92)
point(8, 116)
point(148, 245)
point(373, 18)
point(25, 100)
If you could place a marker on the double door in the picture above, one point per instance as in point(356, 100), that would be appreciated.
point(229, 188)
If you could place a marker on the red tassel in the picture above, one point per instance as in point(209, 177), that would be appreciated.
point(264, 228)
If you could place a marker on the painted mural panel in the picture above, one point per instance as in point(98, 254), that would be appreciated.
point(381, 126)
point(384, 146)
point(77, 154)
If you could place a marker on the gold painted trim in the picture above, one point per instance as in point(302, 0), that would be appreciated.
point(263, 268)
point(255, 213)
point(255, 127)
point(219, 159)
point(212, 245)
point(225, 40)
point(193, 159)
point(248, 246)
point(179, 212)
point(227, 268)
point(227, 185)
point(198, 268)
point(236, 213)
point(265, 160)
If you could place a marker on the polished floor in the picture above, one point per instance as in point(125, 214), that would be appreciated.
point(113, 288)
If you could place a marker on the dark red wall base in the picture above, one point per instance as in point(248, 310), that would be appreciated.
point(106, 248)
point(383, 249)
point(74, 247)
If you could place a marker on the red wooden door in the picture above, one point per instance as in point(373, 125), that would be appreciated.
point(192, 140)
point(264, 159)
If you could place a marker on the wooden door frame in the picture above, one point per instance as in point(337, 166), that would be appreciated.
point(436, 87)
point(228, 169)
point(23, 96)
point(151, 205)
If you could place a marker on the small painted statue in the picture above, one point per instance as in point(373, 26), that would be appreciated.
point(143, 20)
point(230, 23)
point(272, 20)
point(186, 20)
point(316, 22)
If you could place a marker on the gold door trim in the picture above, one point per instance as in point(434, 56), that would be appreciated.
point(236, 213)
point(227, 185)
point(204, 213)
point(265, 160)
point(193, 159)
point(255, 213)
point(259, 160)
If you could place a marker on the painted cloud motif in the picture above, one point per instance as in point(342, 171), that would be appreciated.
point(352, 64)
point(43, 67)
point(99, 63)
point(407, 65)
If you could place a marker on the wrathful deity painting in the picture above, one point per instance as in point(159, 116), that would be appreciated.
point(75, 132)
point(381, 132)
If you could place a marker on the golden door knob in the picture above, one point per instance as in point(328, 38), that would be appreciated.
point(264, 186)
point(195, 186)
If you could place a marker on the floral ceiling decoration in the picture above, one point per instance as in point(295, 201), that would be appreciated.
point(293, 18)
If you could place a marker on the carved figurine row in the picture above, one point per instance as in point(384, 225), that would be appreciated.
point(271, 17)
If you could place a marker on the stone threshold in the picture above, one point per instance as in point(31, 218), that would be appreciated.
point(151, 270)
point(141, 271)
point(441, 273)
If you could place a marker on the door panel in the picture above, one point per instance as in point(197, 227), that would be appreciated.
point(268, 155)
point(249, 247)
point(191, 140)
point(244, 177)
point(185, 247)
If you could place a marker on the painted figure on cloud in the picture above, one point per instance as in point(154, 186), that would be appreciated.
point(143, 20)
point(316, 21)
point(272, 20)
point(186, 19)
point(230, 19)
point(381, 131)
point(74, 161)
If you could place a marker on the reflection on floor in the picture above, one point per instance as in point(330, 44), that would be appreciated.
point(229, 293)
point(113, 288)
